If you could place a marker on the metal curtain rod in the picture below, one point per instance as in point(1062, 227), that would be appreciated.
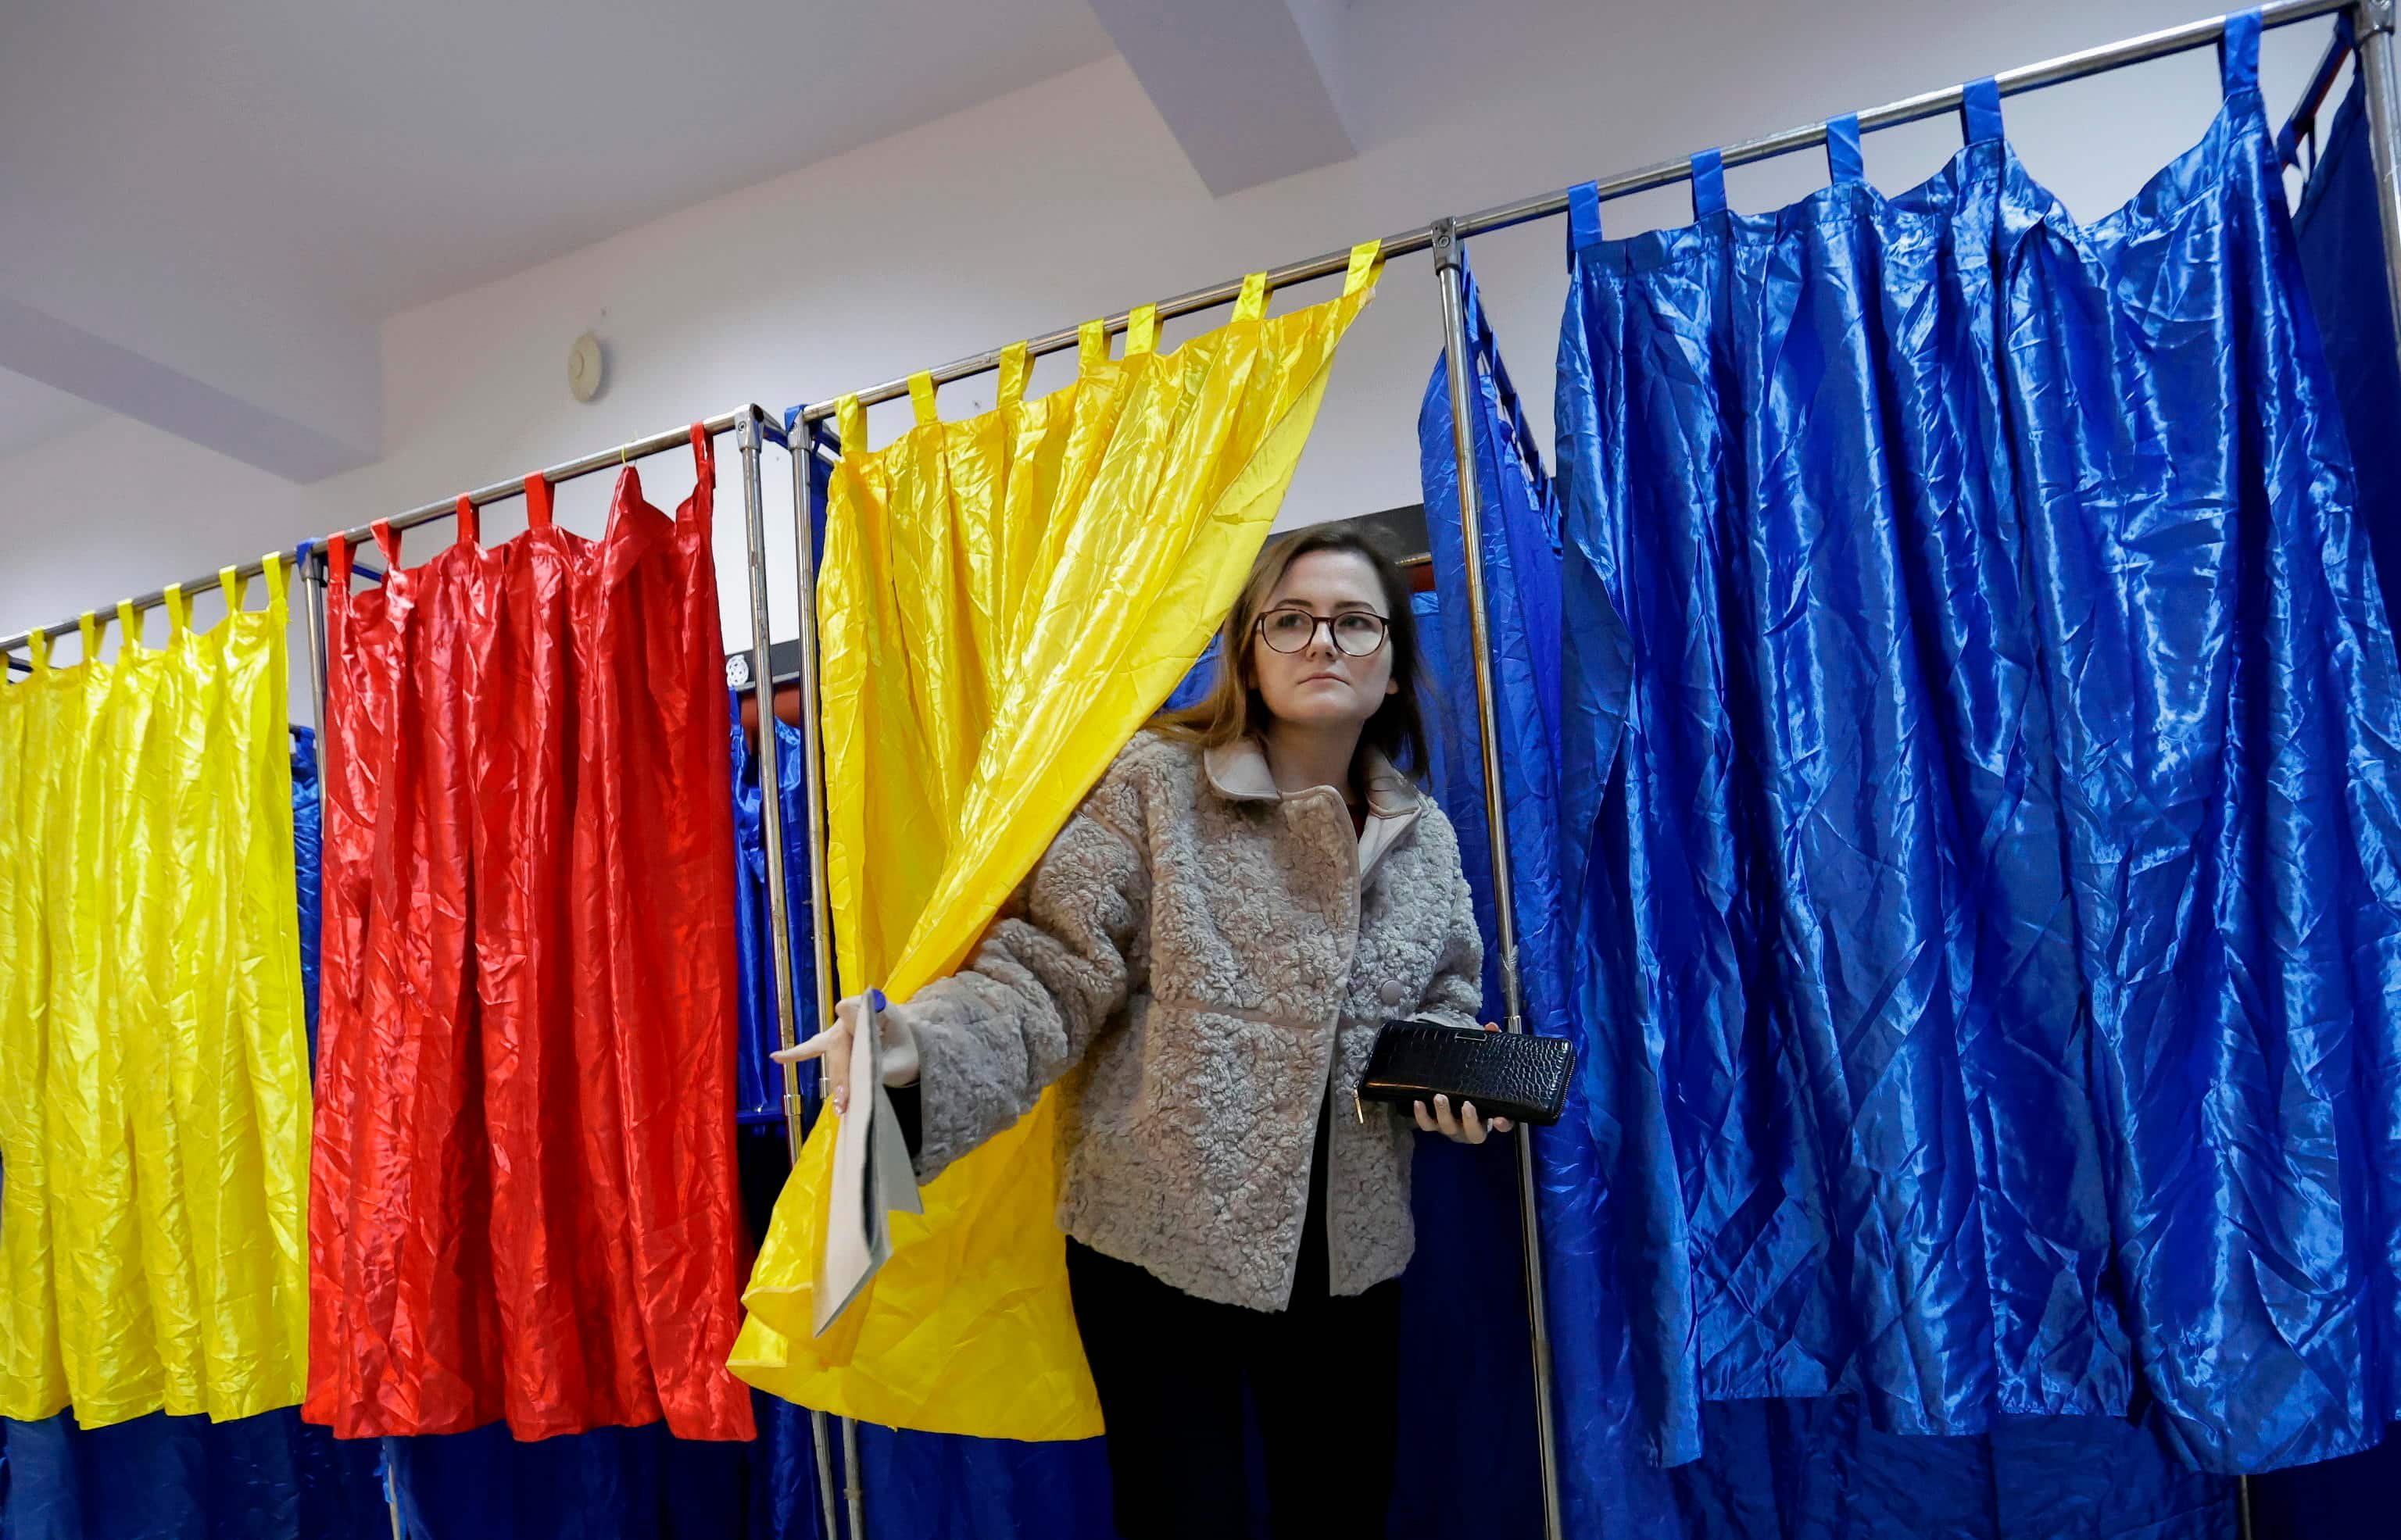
point(2050, 72)
point(622, 454)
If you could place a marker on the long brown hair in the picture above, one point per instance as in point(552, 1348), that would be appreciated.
point(1233, 709)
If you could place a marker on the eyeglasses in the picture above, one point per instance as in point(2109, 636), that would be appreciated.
point(1356, 633)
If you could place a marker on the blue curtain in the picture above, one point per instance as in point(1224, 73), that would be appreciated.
point(309, 845)
point(1769, 1470)
point(2342, 257)
point(1983, 753)
point(611, 1484)
point(759, 1081)
point(160, 1477)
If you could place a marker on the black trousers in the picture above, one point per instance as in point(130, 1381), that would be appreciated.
point(1172, 1369)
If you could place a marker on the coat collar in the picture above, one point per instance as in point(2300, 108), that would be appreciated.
point(1238, 772)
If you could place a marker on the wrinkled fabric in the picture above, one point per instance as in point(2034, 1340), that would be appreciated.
point(308, 857)
point(153, 1090)
point(1994, 908)
point(160, 1478)
point(1466, 1460)
point(2341, 243)
point(1818, 1470)
point(525, 1204)
point(1768, 1470)
point(613, 1483)
point(758, 1079)
point(1004, 600)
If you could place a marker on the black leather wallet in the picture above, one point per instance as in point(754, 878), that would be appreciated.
point(1512, 1075)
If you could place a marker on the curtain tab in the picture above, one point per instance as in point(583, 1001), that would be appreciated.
point(1367, 266)
point(471, 530)
point(128, 628)
point(176, 621)
point(2238, 53)
point(89, 629)
point(1142, 330)
point(1253, 303)
point(1979, 110)
point(1012, 374)
point(1091, 344)
point(1584, 217)
point(272, 564)
point(235, 588)
point(1844, 164)
point(1709, 183)
point(538, 511)
point(850, 425)
point(921, 398)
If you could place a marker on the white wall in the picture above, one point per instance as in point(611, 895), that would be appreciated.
point(1070, 199)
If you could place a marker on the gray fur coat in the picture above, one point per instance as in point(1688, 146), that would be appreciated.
point(1206, 963)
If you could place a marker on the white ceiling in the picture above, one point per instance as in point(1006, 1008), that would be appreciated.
point(209, 204)
point(31, 413)
point(378, 156)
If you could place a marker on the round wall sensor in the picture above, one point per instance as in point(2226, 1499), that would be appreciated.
point(584, 364)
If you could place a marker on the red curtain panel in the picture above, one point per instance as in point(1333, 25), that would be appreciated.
point(524, 1204)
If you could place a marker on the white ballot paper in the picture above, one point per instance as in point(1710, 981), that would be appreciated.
point(872, 1176)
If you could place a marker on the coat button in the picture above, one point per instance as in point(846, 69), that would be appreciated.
point(1392, 992)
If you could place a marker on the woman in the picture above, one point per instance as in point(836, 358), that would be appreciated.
point(1206, 954)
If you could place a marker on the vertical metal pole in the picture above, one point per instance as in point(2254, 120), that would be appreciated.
point(771, 815)
point(2373, 22)
point(820, 915)
point(312, 591)
point(1496, 817)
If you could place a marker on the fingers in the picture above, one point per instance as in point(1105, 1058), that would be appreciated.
point(1491, 1026)
point(800, 1053)
point(1463, 1126)
point(833, 1046)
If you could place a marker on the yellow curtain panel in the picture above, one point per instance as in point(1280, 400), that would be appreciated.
point(154, 1073)
point(1005, 600)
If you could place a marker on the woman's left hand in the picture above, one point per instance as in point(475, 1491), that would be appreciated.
point(1465, 1128)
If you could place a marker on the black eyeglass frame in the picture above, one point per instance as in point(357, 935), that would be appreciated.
point(1326, 624)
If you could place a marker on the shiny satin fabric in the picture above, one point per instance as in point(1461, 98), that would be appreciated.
point(525, 1204)
point(759, 1080)
point(308, 857)
point(1996, 893)
point(154, 1082)
point(1799, 1469)
point(1004, 600)
point(2341, 238)
point(271, 1477)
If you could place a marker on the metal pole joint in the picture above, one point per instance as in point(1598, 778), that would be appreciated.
point(2373, 17)
point(1445, 244)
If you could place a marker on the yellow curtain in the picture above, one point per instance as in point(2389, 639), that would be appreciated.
point(1005, 600)
point(154, 1073)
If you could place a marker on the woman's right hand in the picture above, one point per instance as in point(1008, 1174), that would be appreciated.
point(832, 1045)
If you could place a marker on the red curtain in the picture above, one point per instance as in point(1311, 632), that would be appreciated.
point(524, 1203)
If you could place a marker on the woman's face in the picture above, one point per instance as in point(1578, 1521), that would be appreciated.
point(1320, 684)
